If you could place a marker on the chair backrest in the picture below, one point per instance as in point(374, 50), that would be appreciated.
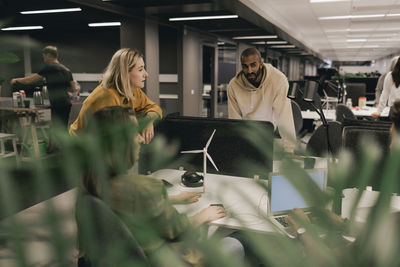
point(354, 91)
point(233, 145)
point(353, 136)
point(297, 117)
point(318, 143)
point(352, 142)
point(342, 112)
point(367, 123)
point(103, 237)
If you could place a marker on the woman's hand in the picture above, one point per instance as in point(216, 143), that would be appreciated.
point(209, 214)
point(148, 133)
point(375, 115)
point(297, 215)
point(185, 198)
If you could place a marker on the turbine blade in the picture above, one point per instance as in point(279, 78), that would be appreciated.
point(192, 151)
point(209, 140)
point(211, 160)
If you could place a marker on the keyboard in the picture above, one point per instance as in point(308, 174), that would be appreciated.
point(282, 221)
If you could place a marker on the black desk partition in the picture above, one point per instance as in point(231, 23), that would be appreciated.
point(239, 148)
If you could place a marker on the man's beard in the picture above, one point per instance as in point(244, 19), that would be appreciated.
point(256, 75)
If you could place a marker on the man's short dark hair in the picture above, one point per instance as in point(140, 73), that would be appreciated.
point(249, 52)
point(50, 50)
point(394, 114)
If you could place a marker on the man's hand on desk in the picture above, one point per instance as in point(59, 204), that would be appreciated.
point(185, 198)
point(208, 214)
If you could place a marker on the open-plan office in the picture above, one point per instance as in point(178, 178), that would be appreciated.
point(323, 189)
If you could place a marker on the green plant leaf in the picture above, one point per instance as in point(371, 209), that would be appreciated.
point(8, 57)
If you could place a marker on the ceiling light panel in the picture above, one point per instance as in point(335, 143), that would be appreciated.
point(255, 37)
point(23, 28)
point(270, 42)
point(328, 1)
point(204, 18)
point(104, 24)
point(282, 46)
point(352, 17)
point(44, 11)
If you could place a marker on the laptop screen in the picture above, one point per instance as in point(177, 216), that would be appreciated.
point(284, 196)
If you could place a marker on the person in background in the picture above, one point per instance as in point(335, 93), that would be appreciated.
point(391, 90)
point(394, 116)
point(121, 86)
point(59, 84)
point(258, 92)
point(379, 84)
point(141, 202)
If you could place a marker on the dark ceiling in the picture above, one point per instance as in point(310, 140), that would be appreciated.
point(248, 23)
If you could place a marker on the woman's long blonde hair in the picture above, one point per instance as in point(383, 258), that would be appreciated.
point(116, 74)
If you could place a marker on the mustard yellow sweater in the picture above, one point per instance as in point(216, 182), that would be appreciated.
point(101, 98)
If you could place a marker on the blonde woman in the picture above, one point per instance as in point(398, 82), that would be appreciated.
point(121, 85)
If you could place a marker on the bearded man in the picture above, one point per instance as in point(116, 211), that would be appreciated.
point(258, 92)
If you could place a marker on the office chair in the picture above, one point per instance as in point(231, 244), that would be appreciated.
point(342, 112)
point(352, 142)
point(318, 143)
point(367, 123)
point(354, 91)
point(298, 120)
point(104, 238)
point(353, 135)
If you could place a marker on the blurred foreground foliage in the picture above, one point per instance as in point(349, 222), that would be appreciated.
point(47, 237)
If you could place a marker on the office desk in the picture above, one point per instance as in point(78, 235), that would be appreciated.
point(331, 113)
point(367, 201)
point(28, 116)
point(244, 199)
point(38, 237)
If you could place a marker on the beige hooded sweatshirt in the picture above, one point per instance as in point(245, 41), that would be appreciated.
point(268, 102)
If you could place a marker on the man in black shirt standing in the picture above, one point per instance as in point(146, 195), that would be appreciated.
point(59, 85)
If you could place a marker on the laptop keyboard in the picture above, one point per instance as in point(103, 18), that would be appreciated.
point(282, 221)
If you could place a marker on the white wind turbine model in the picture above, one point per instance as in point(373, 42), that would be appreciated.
point(205, 156)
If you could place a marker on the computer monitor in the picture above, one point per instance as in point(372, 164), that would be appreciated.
point(232, 151)
point(283, 195)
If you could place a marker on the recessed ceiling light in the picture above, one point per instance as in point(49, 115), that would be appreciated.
point(104, 24)
point(60, 10)
point(356, 40)
point(352, 17)
point(204, 17)
point(364, 46)
point(276, 42)
point(326, 1)
point(255, 37)
point(220, 43)
point(24, 28)
point(283, 46)
point(270, 42)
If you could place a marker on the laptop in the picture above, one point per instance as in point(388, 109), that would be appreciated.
point(283, 196)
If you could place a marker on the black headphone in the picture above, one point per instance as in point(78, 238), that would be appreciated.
point(192, 179)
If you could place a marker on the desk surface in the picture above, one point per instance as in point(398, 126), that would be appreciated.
point(39, 236)
point(331, 113)
point(244, 199)
point(6, 103)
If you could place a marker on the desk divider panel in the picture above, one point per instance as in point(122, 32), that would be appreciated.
point(232, 151)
